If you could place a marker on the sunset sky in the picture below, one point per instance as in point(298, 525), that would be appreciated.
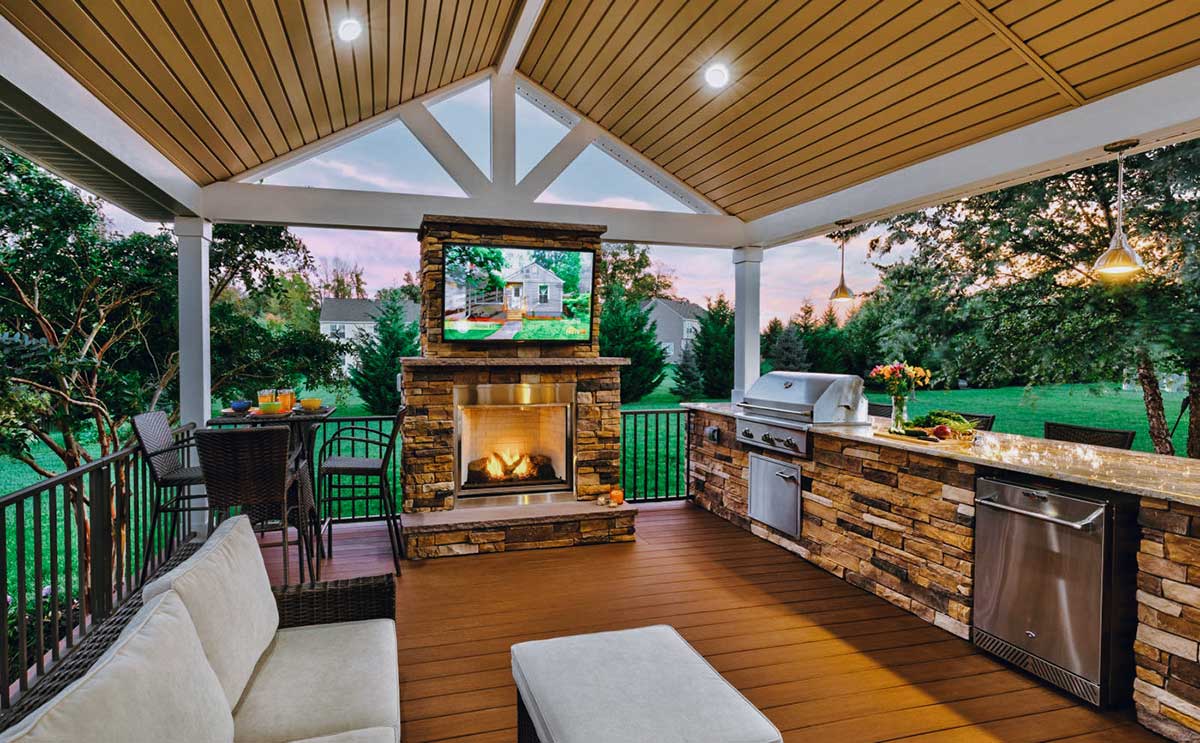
point(390, 159)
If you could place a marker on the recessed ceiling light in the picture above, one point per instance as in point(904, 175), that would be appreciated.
point(349, 29)
point(716, 75)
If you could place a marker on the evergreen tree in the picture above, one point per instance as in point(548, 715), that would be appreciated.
point(374, 378)
point(829, 319)
point(789, 352)
point(714, 348)
point(626, 330)
point(689, 382)
point(806, 317)
point(768, 337)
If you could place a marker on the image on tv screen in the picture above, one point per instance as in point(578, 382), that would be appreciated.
point(517, 294)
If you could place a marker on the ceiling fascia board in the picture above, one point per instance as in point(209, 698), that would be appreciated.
point(354, 131)
point(522, 29)
point(618, 149)
point(34, 74)
point(299, 206)
point(1157, 113)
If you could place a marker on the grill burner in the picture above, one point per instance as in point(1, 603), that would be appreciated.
point(780, 408)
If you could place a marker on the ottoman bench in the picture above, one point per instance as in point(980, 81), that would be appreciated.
point(646, 684)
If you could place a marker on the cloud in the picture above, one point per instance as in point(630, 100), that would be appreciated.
point(346, 175)
point(612, 202)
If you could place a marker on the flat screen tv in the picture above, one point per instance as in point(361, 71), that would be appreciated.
point(510, 295)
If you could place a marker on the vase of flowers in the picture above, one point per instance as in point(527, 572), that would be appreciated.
point(899, 379)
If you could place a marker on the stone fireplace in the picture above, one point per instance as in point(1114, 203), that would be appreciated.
point(514, 438)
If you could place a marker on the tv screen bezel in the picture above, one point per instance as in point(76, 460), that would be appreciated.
point(588, 340)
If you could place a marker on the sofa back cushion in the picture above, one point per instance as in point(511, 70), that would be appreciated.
point(153, 684)
point(227, 592)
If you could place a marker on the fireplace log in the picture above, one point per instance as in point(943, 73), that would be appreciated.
point(542, 469)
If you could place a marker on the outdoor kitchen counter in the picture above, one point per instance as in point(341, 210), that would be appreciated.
point(1174, 479)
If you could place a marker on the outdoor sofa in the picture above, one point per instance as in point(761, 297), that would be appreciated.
point(215, 654)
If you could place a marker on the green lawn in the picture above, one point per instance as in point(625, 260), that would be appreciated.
point(478, 331)
point(565, 329)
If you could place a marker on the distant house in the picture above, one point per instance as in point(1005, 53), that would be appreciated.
point(345, 319)
point(678, 323)
point(533, 291)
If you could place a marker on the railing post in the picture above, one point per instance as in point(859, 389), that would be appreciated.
point(100, 542)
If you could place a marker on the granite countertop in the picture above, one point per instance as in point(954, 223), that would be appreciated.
point(1140, 473)
point(513, 361)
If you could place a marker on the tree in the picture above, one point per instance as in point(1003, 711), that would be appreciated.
point(626, 330)
point(689, 381)
point(789, 352)
point(565, 264)
point(806, 317)
point(768, 337)
point(343, 280)
point(378, 355)
point(629, 265)
point(475, 269)
point(714, 348)
point(410, 287)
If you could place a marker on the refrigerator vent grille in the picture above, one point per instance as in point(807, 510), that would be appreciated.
point(1077, 685)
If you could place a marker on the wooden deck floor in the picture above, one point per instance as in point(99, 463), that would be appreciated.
point(824, 660)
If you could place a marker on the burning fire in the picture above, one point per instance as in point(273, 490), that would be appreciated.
point(508, 465)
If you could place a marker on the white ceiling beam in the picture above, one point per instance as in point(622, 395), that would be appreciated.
point(354, 131)
point(558, 159)
point(298, 206)
point(1157, 113)
point(28, 68)
point(434, 138)
point(504, 131)
point(519, 38)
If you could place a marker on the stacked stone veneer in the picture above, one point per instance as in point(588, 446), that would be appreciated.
point(437, 231)
point(1167, 650)
point(895, 523)
point(428, 431)
point(483, 537)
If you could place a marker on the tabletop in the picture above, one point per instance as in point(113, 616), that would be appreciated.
point(296, 416)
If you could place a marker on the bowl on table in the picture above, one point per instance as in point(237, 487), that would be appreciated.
point(240, 406)
point(269, 408)
point(311, 404)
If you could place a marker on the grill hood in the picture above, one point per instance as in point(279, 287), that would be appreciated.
point(802, 397)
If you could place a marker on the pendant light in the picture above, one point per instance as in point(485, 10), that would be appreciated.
point(1120, 259)
point(842, 293)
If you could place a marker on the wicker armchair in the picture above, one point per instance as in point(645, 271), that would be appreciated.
point(1112, 437)
point(254, 470)
point(170, 474)
point(370, 468)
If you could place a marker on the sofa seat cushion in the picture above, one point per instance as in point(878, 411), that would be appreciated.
point(321, 680)
point(645, 684)
point(227, 592)
point(152, 685)
point(366, 735)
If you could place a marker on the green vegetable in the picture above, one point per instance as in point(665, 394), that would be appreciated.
point(948, 418)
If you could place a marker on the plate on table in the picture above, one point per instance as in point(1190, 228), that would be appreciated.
point(231, 413)
point(259, 414)
point(318, 411)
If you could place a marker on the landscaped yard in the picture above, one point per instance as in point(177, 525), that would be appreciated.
point(552, 330)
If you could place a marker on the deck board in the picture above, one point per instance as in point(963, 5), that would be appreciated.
point(824, 660)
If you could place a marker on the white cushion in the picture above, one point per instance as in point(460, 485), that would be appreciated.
point(643, 684)
point(152, 685)
point(366, 735)
point(323, 679)
point(227, 592)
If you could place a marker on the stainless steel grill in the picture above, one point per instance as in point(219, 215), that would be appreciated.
point(781, 407)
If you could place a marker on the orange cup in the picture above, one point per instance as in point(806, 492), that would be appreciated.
point(617, 496)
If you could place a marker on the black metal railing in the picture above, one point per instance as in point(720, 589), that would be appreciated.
point(74, 545)
point(347, 498)
point(654, 454)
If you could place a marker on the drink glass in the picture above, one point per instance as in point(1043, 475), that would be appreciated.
point(266, 396)
point(287, 400)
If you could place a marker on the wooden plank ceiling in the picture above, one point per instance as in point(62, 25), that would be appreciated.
point(828, 94)
point(220, 87)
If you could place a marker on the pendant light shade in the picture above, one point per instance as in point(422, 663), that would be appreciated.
point(842, 293)
point(1120, 259)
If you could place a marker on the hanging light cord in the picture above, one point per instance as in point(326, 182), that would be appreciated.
point(1121, 191)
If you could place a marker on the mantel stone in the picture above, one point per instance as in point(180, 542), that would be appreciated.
point(453, 361)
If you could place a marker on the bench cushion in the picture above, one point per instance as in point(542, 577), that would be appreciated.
point(322, 680)
point(366, 735)
point(227, 592)
point(152, 685)
point(645, 684)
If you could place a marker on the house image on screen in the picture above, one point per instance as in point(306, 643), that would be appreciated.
point(532, 291)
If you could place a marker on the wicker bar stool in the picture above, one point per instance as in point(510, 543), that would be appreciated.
point(1116, 438)
point(169, 472)
point(373, 468)
point(252, 469)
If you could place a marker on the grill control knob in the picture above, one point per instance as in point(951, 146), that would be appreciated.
point(768, 438)
point(789, 441)
point(747, 433)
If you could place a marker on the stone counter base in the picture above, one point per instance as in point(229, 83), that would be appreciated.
point(1167, 651)
point(895, 523)
point(514, 532)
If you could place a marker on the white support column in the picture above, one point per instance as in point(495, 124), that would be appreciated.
point(504, 132)
point(193, 236)
point(747, 265)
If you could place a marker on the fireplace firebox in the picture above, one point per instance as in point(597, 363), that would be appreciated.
point(514, 438)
